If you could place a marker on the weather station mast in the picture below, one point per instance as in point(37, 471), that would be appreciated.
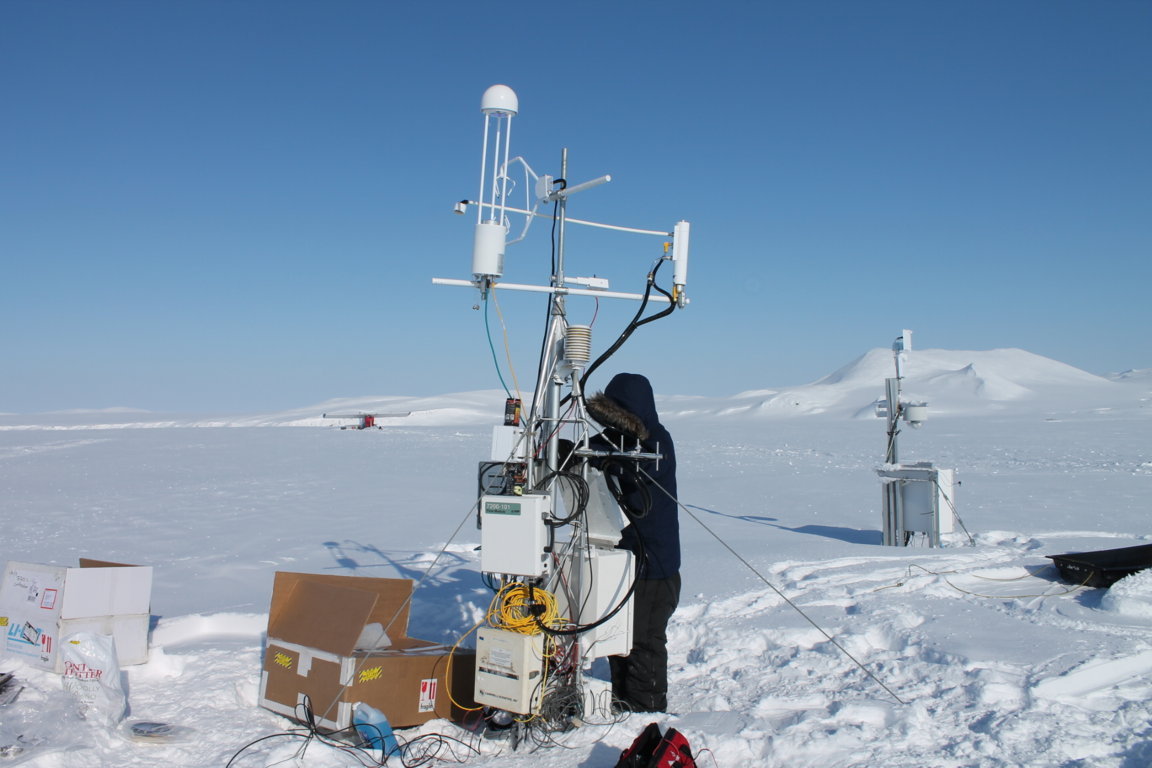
point(549, 521)
point(918, 498)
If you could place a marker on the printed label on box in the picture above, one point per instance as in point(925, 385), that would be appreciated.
point(428, 695)
point(48, 599)
point(28, 639)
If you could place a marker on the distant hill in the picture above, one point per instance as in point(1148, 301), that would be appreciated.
point(950, 381)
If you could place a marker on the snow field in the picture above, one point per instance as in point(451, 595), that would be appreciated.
point(995, 661)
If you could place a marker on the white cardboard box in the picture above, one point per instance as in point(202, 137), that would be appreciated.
point(42, 604)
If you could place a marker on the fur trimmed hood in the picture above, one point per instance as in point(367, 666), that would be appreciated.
point(615, 416)
point(627, 405)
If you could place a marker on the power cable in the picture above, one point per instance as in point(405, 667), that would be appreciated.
point(635, 323)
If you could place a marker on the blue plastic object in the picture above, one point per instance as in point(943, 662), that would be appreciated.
point(375, 730)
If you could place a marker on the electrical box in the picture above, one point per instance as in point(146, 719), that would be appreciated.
point(509, 669)
point(514, 535)
point(603, 518)
point(509, 444)
point(917, 498)
point(604, 578)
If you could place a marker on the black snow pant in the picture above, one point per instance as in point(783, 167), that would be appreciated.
point(640, 679)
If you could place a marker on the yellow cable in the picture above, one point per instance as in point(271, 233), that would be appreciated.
point(448, 670)
point(523, 609)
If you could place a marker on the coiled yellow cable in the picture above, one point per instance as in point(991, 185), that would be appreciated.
point(518, 607)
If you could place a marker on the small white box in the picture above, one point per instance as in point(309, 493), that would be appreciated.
point(509, 444)
point(40, 605)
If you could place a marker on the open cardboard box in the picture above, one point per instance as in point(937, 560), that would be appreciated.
point(314, 623)
point(40, 605)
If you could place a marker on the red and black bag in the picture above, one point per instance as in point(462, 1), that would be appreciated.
point(653, 750)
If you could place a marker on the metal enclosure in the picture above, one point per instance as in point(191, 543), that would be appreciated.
point(604, 579)
point(513, 535)
point(917, 498)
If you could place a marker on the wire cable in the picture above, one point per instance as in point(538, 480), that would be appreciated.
point(507, 345)
point(492, 346)
point(635, 323)
point(406, 602)
point(775, 589)
point(522, 608)
point(952, 506)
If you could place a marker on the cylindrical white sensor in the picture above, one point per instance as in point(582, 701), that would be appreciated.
point(488, 249)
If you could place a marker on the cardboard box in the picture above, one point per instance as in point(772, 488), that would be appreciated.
point(314, 623)
point(42, 604)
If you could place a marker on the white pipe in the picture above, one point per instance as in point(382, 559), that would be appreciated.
point(659, 233)
point(483, 168)
point(504, 170)
point(552, 289)
point(581, 187)
point(492, 192)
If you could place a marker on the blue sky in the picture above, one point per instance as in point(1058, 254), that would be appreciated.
point(210, 205)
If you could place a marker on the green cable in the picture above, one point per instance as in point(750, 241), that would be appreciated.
point(492, 348)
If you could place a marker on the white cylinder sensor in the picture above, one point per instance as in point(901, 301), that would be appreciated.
point(488, 249)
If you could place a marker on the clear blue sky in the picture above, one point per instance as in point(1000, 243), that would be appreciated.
point(237, 205)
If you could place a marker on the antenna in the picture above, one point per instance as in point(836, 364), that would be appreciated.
point(548, 522)
point(680, 261)
point(900, 349)
point(499, 105)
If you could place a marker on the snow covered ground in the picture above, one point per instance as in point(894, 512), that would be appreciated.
point(981, 655)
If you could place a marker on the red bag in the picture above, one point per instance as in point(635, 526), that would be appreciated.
point(653, 750)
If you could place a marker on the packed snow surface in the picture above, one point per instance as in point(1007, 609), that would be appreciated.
point(976, 653)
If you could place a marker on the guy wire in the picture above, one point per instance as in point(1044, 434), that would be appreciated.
point(774, 588)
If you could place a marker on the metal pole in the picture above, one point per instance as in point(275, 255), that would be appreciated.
point(892, 387)
point(558, 322)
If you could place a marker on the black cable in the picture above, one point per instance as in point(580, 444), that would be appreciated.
point(581, 628)
point(580, 491)
point(543, 357)
point(635, 323)
point(616, 487)
point(309, 733)
point(428, 748)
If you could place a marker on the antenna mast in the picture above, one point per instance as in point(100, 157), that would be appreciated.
point(573, 595)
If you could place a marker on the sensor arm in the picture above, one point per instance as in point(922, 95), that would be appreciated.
point(558, 290)
point(462, 205)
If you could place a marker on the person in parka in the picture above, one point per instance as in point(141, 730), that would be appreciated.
point(627, 411)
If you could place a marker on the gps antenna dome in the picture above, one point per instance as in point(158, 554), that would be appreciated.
point(499, 100)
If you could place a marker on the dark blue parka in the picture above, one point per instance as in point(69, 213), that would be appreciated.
point(657, 534)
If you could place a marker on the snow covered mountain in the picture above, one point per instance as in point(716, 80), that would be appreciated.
point(952, 382)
